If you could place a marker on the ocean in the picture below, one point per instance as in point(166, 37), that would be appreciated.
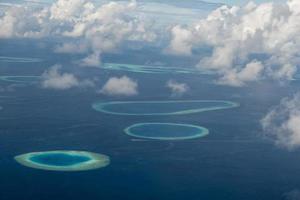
point(234, 162)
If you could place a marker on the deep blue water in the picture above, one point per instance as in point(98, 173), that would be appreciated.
point(59, 159)
point(234, 162)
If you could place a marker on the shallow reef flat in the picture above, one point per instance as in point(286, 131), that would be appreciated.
point(19, 59)
point(63, 160)
point(161, 107)
point(20, 79)
point(148, 69)
point(166, 131)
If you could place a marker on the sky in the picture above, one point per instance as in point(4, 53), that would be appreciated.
point(241, 2)
point(230, 2)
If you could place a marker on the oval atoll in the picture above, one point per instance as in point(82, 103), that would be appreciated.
point(20, 79)
point(161, 107)
point(63, 160)
point(151, 69)
point(166, 131)
point(19, 59)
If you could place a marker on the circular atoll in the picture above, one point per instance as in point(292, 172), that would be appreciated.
point(151, 69)
point(63, 160)
point(166, 131)
point(19, 59)
point(161, 107)
point(20, 79)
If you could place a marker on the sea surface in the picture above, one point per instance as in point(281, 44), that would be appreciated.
point(234, 162)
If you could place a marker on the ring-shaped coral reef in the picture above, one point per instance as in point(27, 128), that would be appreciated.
point(19, 59)
point(148, 69)
point(161, 107)
point(166, 131)
point(20, 79)
point(63, 160)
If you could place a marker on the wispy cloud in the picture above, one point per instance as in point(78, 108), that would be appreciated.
point(177, 89)
point(292, 195)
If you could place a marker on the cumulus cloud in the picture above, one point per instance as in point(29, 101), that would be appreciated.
point(248, 43)
point(54, 79)
point(92, 60)
point(181, 43)
point(122, 86)
point(282, 123)
point(177, 89)
point(238, 77)
point(94, 28)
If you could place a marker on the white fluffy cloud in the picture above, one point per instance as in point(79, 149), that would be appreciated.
point(54, 79)
point(122, 86)
point(282, 123)
point(92, 60)
point(94, 28)
point(181, 43)
point(238, 77)
point(177, 89)
point(238, 34)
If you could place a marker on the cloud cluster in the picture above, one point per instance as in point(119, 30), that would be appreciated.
point(177, 89)
point(282, 123)
point(122, 86)
point(248, 43)
point(94, 28)
point(54, 79)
